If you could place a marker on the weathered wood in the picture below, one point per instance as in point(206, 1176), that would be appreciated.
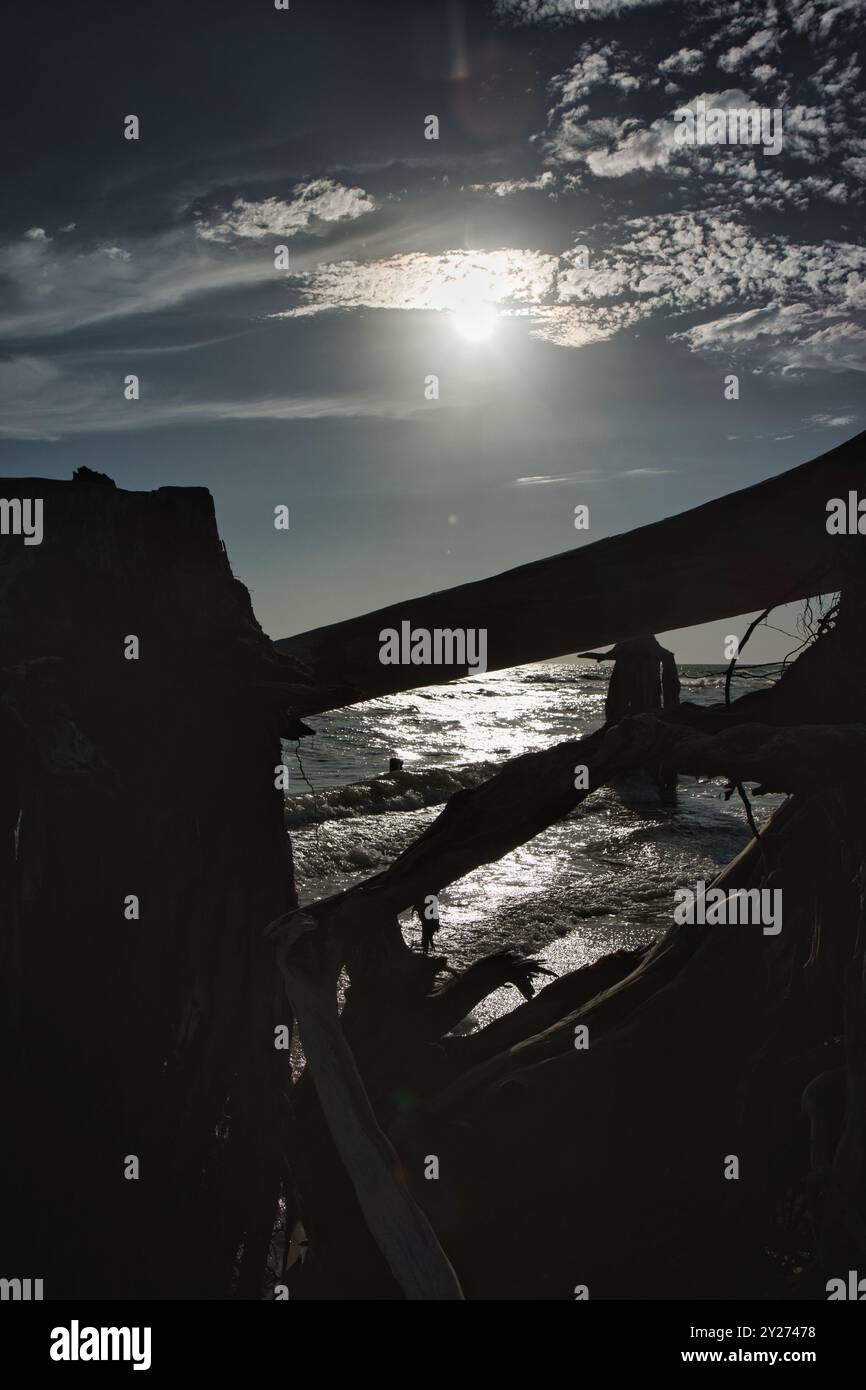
point(478, 826)
point(614, 1175)
point(401, 1229)
point(148, 1035)
point(533, 791)
point(751, 549)
point(156, 1037)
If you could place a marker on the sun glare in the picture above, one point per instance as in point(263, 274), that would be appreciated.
point(475, 320)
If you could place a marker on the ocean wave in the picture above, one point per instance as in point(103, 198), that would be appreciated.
point(394, 791)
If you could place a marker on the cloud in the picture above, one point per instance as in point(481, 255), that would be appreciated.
point(612, 147)
point(685, 62)
point(317, 202)
point(55, 287)
point(415, 280)
point(792, 337)
point(45, 400)
point(505, 188)
point(548, 479)
point(596, 66)
point(824, 116)
point(812, 297)
point(809, 296)
point(639, 150)
point(567, 11)
point(815, 17)
point(831, 422)
point(757, 46)
point(593, 475)
point(575, 326)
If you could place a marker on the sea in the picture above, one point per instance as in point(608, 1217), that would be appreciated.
point(602, 878)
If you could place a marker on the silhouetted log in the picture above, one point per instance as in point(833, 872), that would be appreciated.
point(533, 791)
point(389, 1033)
point(555, 1001)
point(751, 549)
point(149, 1036)
point(449, 1005)
point(700, 1053)
point(399, 1226)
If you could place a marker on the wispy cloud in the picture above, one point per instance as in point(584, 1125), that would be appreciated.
point(565, 11)
point(48, 400)
point(831, 422)
point(55, 285)
point(594, 475)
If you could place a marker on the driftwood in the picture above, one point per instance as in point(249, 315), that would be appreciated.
point(481, 825)
point(529, 794)
point(752, 549)
point(478, 826)
point(155, 1036)
point(148, 1035)
point(401, 1229)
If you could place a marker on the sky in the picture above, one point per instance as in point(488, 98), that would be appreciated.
point(465, 337)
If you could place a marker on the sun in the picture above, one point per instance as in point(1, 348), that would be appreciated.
point(475, 319)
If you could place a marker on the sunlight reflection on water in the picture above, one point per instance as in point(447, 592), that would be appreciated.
point(600, 879)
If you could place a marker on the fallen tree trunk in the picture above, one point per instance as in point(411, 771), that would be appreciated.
point(804, 759)
point(481, 825)
point(752, 549)
point(153, 1035)
point(698, 1057)
point(399, 1226)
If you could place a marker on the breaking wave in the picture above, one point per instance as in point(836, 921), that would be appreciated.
point(394, 791)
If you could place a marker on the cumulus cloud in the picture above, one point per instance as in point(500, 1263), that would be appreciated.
point(685, 62)
point(811, 296)
point(312, 205)
point(829, 136)
point(761, 43)
point(611, 148)
point(574, 326)
point(636, 150)
point(793, 337)
point(823, 113)
point(605, 65)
